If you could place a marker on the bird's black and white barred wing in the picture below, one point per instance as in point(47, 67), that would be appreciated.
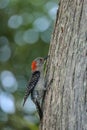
point(32, 83)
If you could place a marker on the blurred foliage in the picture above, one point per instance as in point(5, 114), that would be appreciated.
point(25, 31)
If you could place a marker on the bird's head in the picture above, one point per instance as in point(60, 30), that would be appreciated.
point(38, 64)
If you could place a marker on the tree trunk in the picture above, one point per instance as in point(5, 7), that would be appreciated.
point(65, 104)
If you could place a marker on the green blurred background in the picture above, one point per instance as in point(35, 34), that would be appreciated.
point(25, 31)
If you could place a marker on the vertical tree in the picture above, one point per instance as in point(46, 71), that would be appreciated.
point(65, 104)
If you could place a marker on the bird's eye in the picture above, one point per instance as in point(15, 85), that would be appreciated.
point(41, 60)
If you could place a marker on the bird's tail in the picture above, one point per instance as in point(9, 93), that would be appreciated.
point(39, 110)
point(24, 102)
point(25, 97)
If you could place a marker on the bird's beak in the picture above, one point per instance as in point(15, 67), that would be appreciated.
point(46, 58)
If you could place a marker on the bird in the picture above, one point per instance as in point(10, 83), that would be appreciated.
point(36, 84)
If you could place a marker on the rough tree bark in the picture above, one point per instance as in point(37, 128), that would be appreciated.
point(65, 105)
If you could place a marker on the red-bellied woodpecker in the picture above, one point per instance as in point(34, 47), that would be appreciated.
point(36, 84)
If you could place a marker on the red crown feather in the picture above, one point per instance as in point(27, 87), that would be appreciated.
point(33, 66)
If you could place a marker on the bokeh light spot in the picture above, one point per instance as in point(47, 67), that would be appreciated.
point(50, 5)
point(8, 81)
point(31, 36)
point(52, 12)
point(15, 21)
point(4, 4)
point(51, 8)
point(7, 103)
point(46, 35)
point(3, 41)
point(42, 24)
point(5, 51)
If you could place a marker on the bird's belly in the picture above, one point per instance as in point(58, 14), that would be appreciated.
point(40, 85)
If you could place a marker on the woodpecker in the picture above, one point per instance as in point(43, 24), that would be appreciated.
point(36, 84)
